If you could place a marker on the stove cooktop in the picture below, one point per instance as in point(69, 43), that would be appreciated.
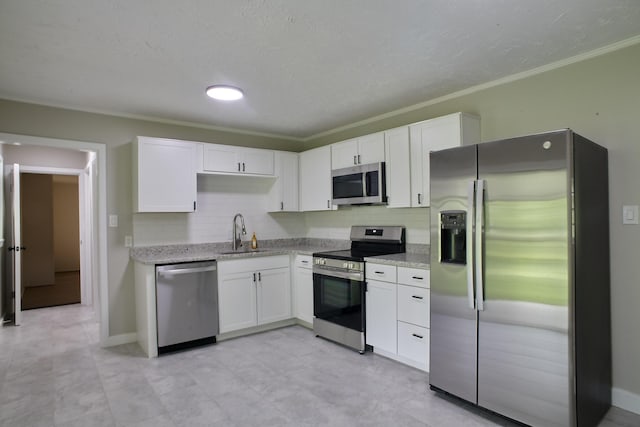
point(351, 254)
point(369, 241)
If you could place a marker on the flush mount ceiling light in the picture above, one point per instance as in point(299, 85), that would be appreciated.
point(224, 92)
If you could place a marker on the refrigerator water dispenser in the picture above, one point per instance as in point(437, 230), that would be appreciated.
point(453, 237)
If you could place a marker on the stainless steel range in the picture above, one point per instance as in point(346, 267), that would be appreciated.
point(339, 283)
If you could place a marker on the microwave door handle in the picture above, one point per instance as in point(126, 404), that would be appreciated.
point(365, 184)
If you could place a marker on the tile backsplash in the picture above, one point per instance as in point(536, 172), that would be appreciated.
point(221, 197)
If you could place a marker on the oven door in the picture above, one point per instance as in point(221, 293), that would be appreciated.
point(339, 300)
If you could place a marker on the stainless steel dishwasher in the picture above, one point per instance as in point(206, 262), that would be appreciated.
point(186, 305)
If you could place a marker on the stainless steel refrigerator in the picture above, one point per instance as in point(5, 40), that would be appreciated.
point(520, 306)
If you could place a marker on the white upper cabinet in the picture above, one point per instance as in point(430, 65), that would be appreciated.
point(358, 151)
point(283, 196)
point(398, 169)
point(228, 159)
point(164, 175)
point(315, 180)
point(437, 134)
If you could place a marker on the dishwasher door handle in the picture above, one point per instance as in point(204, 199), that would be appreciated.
point(187, 270)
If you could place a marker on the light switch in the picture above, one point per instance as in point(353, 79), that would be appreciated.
point(113, 220)
point(630, 214)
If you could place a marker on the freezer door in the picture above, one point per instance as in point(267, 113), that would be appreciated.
point(523, 328)
point(453, 338)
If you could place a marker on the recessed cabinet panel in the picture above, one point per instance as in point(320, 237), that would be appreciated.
point(253, 291)
point(283, 195)
point(397, 157)
point(381, 316)
point(413, 305)
point(413, 344)
point(358, 151)
point(164, 175)
point(436, 134)
point(303, 288)
point(229, 159)
point(315, 180)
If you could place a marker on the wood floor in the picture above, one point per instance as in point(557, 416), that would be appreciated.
point(65, 290)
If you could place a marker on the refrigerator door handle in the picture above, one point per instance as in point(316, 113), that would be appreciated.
point(471, 192)
point(479, 243)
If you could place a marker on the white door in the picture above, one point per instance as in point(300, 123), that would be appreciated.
point(16, 243)
point(274, 295)
point(237, 300)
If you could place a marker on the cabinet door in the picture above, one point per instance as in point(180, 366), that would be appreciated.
point(413, 305)
point(274, 295)
point(315, 179)
point(257, 162)
point(371, 148)
point(283, 196)
point(396, 144)
point(417, 173)
point(413, 345)
point(304, 293)
point(164, 174)
point(381, 316)
point(436, 134)
point(221, 158)
point(237, 300)
point(344, 154)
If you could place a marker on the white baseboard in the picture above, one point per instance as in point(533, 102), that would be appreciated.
point(120, 339)
point(625, 400)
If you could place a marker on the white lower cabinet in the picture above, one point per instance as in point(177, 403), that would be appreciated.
point(397, 310)
point(253, 291)
point(381, 316)
point(413, 345)
point(303, 288)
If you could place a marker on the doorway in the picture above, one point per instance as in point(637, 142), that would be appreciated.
point(93, 221)
point(50, 210)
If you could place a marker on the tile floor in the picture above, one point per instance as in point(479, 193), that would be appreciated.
point(53, 373)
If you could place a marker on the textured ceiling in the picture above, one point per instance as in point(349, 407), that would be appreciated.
point(306, 66)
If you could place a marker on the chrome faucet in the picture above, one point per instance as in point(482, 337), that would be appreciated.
point(236, 240)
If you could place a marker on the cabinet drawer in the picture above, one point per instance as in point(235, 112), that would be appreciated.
point(413, 305)
point(413, 276)
point(383, 272)
point(413, 344)
point(304, 261)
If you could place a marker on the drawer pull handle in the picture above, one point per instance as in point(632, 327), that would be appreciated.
point(417, 278)
point(417, 336)
point(379, 272)
point(305, 262)
point(417, 297)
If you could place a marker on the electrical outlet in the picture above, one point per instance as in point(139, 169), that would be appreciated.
point(128, 241)
point(113, 221)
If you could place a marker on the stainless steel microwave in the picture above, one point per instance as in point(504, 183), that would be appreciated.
point(359, 185)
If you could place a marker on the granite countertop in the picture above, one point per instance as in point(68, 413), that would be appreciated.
point(407, 259)
point(417, 256)
point(168, 254)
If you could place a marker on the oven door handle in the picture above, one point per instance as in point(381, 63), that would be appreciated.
point(350, 275)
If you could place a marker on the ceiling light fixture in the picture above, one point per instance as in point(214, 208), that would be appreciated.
point(224, 92)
